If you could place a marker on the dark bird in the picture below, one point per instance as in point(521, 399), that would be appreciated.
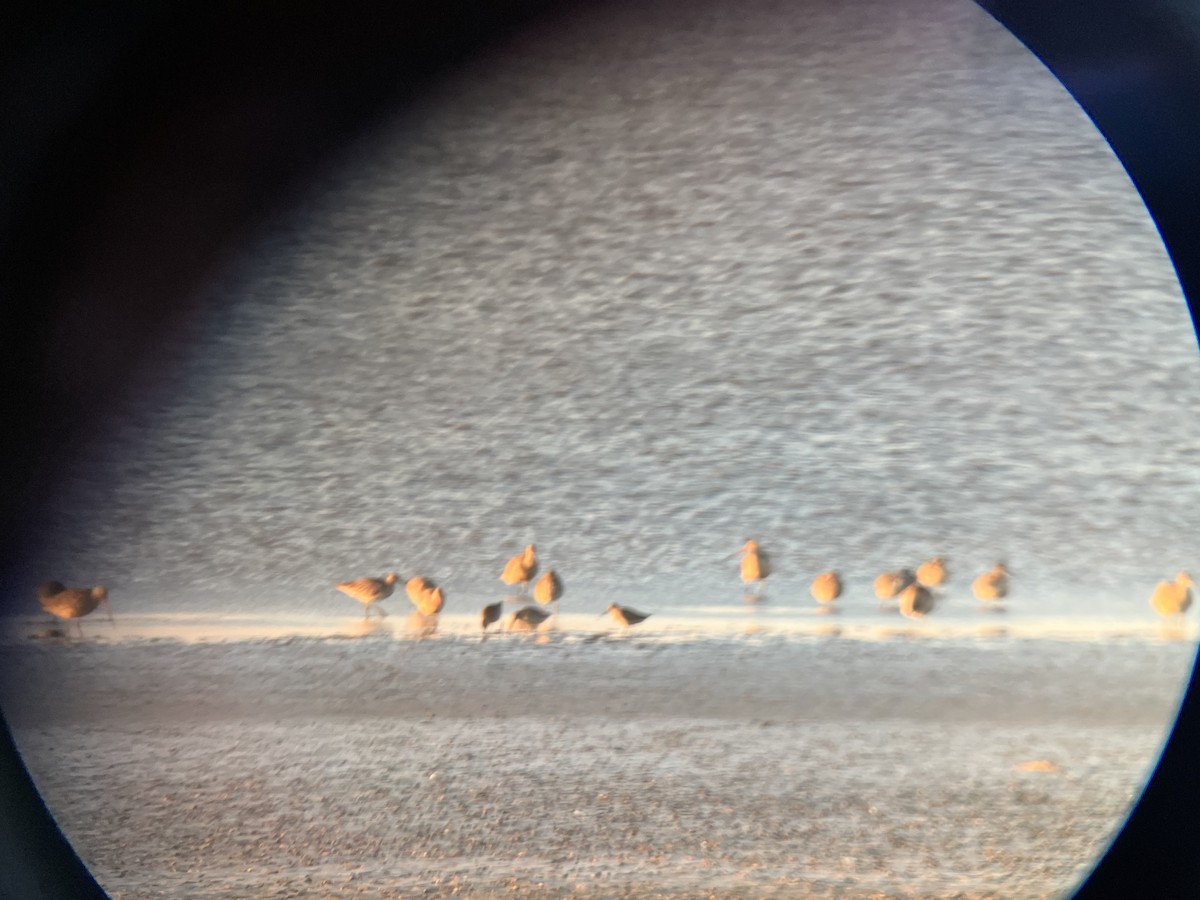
point(491, 613)
point(626, 616)
point(916, 601)
point(527, 618)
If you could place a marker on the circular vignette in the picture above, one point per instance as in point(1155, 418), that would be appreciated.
point(126, 102)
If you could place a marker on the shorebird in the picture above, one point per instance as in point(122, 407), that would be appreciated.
point(425, 595)
point(756, 565)
point(369, 591)
point(521, 568)
point(991, 585)
point(626, 616)
point(932, 573)
point(527, 618)
point(491, 613)
point(916, 601)
point(889, 585)
point(827, 587)
point(548, 588)
point(1173, 598)
point(72, 603)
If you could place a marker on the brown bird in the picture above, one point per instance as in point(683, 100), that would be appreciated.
point(932, 573)
point(626, 616)
point(1173, 598)
point(889, 585)
point(756, 564)
point(527, 618)
point(491, 613)
point(991, 585)
point(548, 588)
point(72, 603)
point(521, 568)
point(827, 587)
point(425, 595)
point(369, 591)
point(916, 601)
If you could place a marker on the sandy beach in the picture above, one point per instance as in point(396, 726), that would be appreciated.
point(746, 766)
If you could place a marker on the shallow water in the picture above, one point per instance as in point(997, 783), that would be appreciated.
point(865, 284)
point(748, 765)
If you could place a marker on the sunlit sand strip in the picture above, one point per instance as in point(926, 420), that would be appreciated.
point(675, 626)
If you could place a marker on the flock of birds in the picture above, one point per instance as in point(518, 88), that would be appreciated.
point(915, 592)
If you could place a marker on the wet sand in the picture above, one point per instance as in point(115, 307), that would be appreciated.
point(620, 767)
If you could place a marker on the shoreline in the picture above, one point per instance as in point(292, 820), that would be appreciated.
point(622, 768)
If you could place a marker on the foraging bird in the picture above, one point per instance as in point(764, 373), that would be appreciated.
point(527, 618)
point(756, 565)
point(932, 572)
point(425, 595)
point(72, 603)
point(548, 588)
point(1173, 598)
point(827, 587)
point(991, 585)
point(626, 616)
point(916, 601)
point(521, 568)
point(889, 585)
point(369, 591)
point(491, 613)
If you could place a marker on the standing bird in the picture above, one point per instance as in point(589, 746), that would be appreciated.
point(626, 616)
point(369, 591)
point(991, 585)
point(1173, 598)
point(491, 613)
point(889, 585)
point(72, 603)
point(756, 565)
point(425, 595)
point(521, 568)
point(932, 573)
point(548, 588)
point(527, 618)
point(916, 601)
point(827, 587)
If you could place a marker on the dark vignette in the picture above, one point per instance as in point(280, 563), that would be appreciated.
point(141, 142)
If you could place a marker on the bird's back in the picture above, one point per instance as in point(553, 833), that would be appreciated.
point(889, 584)
point(521, 568)
point(627, 616)
point(916, 601)
point(367, 590)
point(991, 585)
point(827, 587)
point(756, 565)
point(1171, 598)
point(527, 618)
point(71, 603)
point(548, 588)
point(932, 573)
